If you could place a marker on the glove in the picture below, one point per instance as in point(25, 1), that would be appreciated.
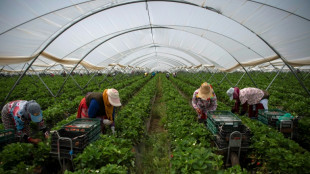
point(34, 140)
point(46, 134)
point(113, 130)
point(198, 111)
point(107, 122)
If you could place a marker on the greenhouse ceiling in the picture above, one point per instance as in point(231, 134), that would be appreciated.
point(154, 35)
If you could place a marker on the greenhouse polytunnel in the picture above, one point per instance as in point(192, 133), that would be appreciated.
point(159, 55)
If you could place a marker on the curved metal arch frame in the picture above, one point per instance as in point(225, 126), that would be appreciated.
point(148, 46)
point(139, 62)
point(166, 63)
point(208, 8)
point(143, 29)
point(170, 28)
point(87, 15)
point(138, 49)
point(142, 58)
point(192, 33)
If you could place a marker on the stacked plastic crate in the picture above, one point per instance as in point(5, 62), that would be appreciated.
point(73, 137)
point(273, 117)
point(270, 117)
point(222, 124)
point(7, 136)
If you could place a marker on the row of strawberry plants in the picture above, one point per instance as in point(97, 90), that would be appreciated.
point(60, 110)
point(115, 151)
point(282, 91)
point(126, 92)
point(275, 101)
point(31, 88)
point(45, 159)
point(191, 141)
point(294, 101)
point(269, 146)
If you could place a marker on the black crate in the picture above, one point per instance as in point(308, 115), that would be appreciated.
point(79, 139)
point(82, 125)
point(62, 139)
point(221, 143)
point(222, 139)
point(7, 136)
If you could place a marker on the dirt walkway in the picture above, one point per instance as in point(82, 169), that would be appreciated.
point(155, 151)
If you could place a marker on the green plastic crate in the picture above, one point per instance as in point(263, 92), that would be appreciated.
point(7, 136)
point(211, 127)
point(224, 120)
point(271, 113)
point(263, 120)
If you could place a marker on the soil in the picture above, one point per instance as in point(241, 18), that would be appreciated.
point(155, 126)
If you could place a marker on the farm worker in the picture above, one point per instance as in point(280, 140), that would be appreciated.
point(83, 109)
point(167, 75)
point(204, 100)
point(102, 105)
point(18, 114)
point(251, 100)
point(145, 74)
point(174, 74)
point(153, 74)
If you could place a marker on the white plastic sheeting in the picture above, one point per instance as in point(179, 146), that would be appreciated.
point(157, 35)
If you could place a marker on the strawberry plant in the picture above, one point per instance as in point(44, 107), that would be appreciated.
point(106, 150)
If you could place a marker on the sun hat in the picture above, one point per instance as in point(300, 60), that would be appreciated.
point(113, 97)
point(230, 93)
point(205, 91)
point(35, 111)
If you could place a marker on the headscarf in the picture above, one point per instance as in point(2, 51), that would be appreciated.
point(236, 93)
point(107, 106)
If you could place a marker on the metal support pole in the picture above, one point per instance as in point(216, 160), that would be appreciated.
point(212, 75)
point(269, 76)
point(44, 83)
point(34, 81)
point(200, 76)
point(69, 74)
point(89, 80)
point(275, 77)
point(17, 82)
point(1, 69)
point(240, 79)
point(250, 77)
point(304, 78)
point(262, 72)
point(106, 76)
point(286, 74)
point(225, 77)
point(222, 78)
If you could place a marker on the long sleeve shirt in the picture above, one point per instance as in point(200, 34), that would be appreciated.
point(94, 108)
point(251, 95)
point(16, 111)
point(204, 105)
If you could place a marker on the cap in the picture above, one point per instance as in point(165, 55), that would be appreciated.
point(113, 97)
point(35, 111)
point(230, 93)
